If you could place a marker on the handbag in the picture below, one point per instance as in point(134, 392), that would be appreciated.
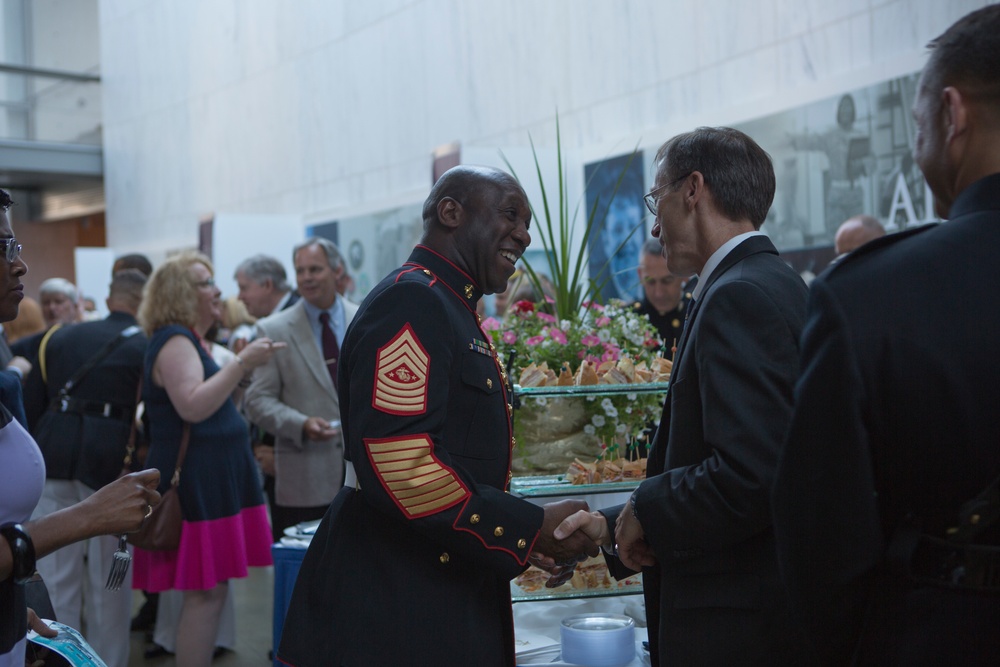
point(161, 530)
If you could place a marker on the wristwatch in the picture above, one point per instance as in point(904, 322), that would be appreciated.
point(631, 502)
point(22, 551)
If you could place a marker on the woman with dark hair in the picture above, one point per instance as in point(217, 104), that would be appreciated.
point(116, 508)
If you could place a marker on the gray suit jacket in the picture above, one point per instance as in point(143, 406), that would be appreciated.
point(286, 391)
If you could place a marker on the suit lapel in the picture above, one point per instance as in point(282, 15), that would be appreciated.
point(302, 338)
point(751, 246)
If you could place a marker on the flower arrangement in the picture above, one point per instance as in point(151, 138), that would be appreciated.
point(604, 333)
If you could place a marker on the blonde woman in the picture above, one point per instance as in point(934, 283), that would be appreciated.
point(225, 526)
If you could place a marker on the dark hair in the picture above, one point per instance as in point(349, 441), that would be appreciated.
point(465, 184)
point(126, 286)
point(5, 201)
point(967, 55)
point(263, 267)
point(737, 171)
point(135, 261)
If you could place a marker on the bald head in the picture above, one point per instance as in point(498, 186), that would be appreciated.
point(857, 231)
point(467, 185)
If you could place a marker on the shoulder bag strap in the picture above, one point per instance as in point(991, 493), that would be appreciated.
point(133, 432)
point(96, 359)
point(41, 351)
point(185, 438)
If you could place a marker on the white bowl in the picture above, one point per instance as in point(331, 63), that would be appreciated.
point(598, 640)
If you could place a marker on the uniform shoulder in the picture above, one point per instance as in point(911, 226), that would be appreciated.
point(879, 245)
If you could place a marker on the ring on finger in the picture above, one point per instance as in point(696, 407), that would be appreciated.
point(149, 510)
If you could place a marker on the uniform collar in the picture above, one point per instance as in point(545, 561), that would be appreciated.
point(457, 280)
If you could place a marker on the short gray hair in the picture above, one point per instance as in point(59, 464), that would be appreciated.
point(651, 247)
point(261, 268)
point(59, 286)
point(333, 256)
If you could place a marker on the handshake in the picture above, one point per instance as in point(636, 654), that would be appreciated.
point(571, 533)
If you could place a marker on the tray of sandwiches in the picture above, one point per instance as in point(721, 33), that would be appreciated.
point(591, 579)
point(610, 377)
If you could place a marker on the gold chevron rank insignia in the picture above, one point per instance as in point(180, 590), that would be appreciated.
point(417, 481)
point(401, 370)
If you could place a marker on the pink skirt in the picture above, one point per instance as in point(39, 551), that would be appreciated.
point(210, 552)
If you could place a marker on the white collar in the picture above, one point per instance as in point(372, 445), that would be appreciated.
point(713, 262)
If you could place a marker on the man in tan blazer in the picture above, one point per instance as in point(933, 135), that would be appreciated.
point(294, 395)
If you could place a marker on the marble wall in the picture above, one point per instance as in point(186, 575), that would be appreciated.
point(329, 108)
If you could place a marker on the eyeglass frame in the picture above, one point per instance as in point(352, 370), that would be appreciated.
point(651, 201)
point(12, 249)
point(207, 282)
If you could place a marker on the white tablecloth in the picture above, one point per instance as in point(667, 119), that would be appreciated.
point(536, 626)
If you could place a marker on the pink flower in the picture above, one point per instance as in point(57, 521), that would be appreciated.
point(510, 337)
point(558, 336)
point(589, 340)
point(545, 317)
point(581, 354)
point(491, 324)
point(534, 340)
point(609, 356)
point(603, 321)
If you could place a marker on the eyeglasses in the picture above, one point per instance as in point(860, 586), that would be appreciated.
point(208, 282)
point(653, 197)
point(12, 249)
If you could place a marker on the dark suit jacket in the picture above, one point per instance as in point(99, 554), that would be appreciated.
point(715, 596)
point(896, 414)
point(87, 447)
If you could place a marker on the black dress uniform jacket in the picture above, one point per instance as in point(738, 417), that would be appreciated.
point(87, 441)
point(414, 567)
point(896, 416)
point(715, 596)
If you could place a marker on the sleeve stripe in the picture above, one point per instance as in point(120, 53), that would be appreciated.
point(416, 480)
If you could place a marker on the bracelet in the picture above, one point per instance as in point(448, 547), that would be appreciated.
point(239, 360)
point(631, 502)
point(22, 551)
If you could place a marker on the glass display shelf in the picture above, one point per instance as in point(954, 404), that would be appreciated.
point(630, 586)
point(592, 389)
point(545, 486)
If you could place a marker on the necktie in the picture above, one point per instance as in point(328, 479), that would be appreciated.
point(331, 351)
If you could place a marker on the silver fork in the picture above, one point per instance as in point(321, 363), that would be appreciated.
point(119, 565)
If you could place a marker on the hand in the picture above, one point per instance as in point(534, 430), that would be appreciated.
point(35, 623)
point(21, 364)
point(265, 458)
point(576, 547)
point(239, 344)
point(633, 550)
point(317, 428)
point(259, 352)
point(592, 524)
point(121, 506)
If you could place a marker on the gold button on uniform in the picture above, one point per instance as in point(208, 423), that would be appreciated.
point(498, 531)
point(489, 383)
point(522, 543)
point(474, 519)
point(444, 558)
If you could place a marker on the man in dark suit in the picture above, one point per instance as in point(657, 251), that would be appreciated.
point(896, 428)
point(699, 527)
point(83, 436)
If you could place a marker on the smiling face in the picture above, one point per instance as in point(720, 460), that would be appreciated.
point(209, 310)
point(11, 289)
point(494, 232)
point(317, 281)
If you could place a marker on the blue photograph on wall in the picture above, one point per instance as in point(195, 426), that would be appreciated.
point(619, 227)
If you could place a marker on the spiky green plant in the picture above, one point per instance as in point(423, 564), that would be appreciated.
point(570, 282)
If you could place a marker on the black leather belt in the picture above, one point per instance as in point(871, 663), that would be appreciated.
point(96, 408)
point(969, 566)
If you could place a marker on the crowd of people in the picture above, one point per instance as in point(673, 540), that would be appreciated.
point(823, 486)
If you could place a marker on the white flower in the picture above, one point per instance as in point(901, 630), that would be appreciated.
point(598, 420)
point(606, 403)
point(621, 429)
point(565, 325)
point(547, 343)
point(611, 411)
point(589, 429)
point(604, 335)
point(630, 396)
point(541, 400)
point(591, 398)
point(628, 410)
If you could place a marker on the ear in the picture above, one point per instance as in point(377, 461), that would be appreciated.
point(450, 213)
point(955, 113)
point(694, 189)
